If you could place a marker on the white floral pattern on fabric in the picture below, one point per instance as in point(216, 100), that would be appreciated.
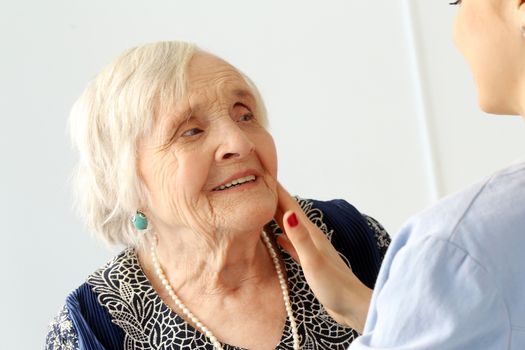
point(148, 323)
point(382, 237)
point(62, 334)
point(315, 215)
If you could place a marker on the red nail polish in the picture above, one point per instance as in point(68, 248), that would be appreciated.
point(292, 220)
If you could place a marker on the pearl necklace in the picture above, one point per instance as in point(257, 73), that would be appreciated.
point(199, 324)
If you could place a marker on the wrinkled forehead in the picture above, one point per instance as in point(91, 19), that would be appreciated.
point(211, 78)
point(210, 83)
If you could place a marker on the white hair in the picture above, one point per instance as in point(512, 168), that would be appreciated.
point(115, 110)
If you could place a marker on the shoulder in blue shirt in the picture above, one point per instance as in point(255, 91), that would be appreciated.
point(453, 277)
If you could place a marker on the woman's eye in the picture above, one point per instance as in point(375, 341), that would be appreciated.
point(457, 2)
point(192, 132)
point(246, 117)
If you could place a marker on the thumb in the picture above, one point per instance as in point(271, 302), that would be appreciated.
point(299, 236)
point(285, 243)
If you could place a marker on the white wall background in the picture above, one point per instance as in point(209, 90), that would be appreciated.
point(368, 101)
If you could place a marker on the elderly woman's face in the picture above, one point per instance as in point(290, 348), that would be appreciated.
point(210, 165)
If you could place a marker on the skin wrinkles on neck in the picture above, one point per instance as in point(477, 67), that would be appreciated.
point(222, 270)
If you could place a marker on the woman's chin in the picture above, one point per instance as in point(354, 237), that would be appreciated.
point(254, 202)
point(491, 107)
point(493, 102)
point(248, 215)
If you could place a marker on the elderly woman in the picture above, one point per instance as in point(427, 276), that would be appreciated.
point(174, 138)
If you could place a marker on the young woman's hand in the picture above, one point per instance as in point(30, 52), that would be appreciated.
point(342, 294)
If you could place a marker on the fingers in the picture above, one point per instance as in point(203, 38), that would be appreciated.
point(299, 232)
point(279, 217)
point(288, 203)
point(285, 200)
point(282, 239)
point(301, 240)
point(285, 243)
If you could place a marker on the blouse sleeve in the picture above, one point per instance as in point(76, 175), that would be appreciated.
point(84, 324)
point(436, 297)
point(62, 334)
point(360, 239)
point(381, 235)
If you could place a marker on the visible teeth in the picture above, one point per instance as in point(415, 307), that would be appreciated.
point(236, 182)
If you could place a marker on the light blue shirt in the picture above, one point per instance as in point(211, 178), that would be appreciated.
point(454, 276)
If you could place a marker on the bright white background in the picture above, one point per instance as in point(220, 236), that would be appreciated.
point(368, 101)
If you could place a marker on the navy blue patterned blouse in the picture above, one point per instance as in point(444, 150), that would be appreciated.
point(117, 308)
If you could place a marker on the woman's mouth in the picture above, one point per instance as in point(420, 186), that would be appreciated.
point(236, 183)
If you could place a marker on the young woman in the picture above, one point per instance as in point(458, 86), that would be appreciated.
point(453, 277)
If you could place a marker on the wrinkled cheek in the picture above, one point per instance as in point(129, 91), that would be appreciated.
point(268, 155)
point(183, 211)
point(182, 207)
point(268, 158)
point(189, 203)
point(164, 191)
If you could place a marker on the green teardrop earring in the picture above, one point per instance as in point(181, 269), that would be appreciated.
point(140, 221)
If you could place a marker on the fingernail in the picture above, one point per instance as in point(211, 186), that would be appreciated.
point(292, 220)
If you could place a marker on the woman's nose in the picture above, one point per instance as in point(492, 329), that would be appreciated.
point(234, 143)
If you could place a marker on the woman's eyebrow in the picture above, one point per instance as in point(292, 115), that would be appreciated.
point(243, 93)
